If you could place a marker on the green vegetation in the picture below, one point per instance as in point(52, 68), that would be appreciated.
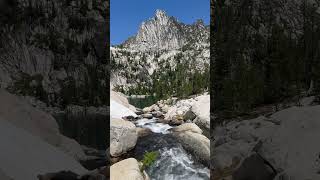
point(148, 159)
point(181, 80)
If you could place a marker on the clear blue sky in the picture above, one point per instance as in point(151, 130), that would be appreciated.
point(127, 15)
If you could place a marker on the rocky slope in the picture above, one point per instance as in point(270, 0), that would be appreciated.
point(282, 145)
point(163, 53)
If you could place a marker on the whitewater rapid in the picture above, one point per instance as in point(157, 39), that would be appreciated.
point(173, 162)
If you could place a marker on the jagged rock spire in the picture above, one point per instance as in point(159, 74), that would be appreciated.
point(165, 32)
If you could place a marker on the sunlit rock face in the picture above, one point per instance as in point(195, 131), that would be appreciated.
point(163, 32)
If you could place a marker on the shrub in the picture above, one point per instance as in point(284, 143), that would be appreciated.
point(148, 159)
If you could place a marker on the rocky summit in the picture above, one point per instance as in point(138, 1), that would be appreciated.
point(164, 32)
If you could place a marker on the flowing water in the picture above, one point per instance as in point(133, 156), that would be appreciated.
point(173, 162)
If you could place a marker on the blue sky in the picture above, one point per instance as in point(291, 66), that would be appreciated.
point(127, 15)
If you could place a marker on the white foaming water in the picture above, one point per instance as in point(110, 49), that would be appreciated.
point(153, 125)
point(176, 164)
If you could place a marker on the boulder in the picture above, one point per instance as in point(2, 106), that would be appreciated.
point(151, 108)
point(127, 169)
point(187, 127)
point(189, 115)
point(143, 131)
point(118, 110)
point(165, 108)
point(130, 118)
point(121, 99)
point(25, 156)
point(20, 113)
point(155, 107)
point(175, 121)
point(157, 114)
point(203, 123)
point(201, 108)
point(148, 116)
point(139, 112)
point(123, 136)
point(197, 144)
point(146, 110)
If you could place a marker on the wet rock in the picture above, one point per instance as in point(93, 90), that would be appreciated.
point(143, 131)
point(130, 118)
point(139, 112)
point(123, 136)
point(157, 114)
point(148, 116)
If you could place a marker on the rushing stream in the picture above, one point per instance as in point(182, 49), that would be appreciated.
point(173, 162)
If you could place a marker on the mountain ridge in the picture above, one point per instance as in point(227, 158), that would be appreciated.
point(164, 32)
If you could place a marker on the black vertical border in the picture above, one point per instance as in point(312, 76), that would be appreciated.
point(211, 86)
point(107, 49)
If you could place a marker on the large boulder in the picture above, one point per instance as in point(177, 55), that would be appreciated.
point(189, 135)
point(118, 110)
point(127, 169)
point(25, 156)
point(201, 108)
point(121, 99)
point(187, 127)
point(21, 114)
point(123, 136)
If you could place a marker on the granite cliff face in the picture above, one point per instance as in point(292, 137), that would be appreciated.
point(163, 32)
point(55, 50)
